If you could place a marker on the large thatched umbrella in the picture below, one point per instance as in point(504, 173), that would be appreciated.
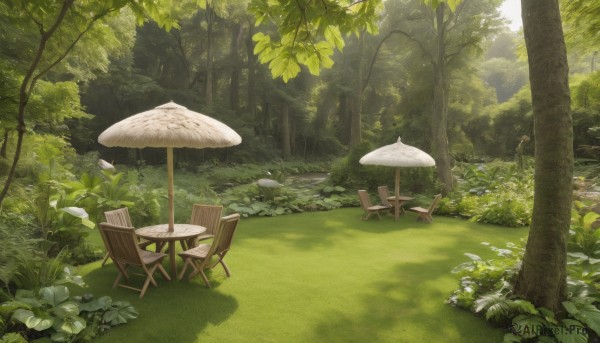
point(398, 155)
point(169, 126)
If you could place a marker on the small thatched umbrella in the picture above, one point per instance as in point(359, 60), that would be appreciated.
point(398, 155)
point(169, 126)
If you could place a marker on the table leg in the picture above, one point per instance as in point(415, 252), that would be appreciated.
point(172, 259)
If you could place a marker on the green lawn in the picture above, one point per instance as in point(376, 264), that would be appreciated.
point(318, 277)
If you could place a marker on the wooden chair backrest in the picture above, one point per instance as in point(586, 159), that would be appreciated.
point(383, 195)
point(121, 243)
point(434, 203)
point(224, 236)
point(365, 202)
point(119, 217)
point(208, 216)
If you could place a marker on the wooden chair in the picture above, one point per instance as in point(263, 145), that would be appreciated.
point(122, 244)
point(368, 208)
point(425, 213)
point(208, 216)
point(200, 257)
point(383, 197)
point(120, 217)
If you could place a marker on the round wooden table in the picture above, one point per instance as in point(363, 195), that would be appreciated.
point(401, 199)
point(160, 234)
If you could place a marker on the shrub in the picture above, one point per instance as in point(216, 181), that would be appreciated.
point(496, 193)
point(53, 314)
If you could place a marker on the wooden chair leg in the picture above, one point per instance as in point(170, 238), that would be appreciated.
point(106, 257)
point(225, 267)
point(164, 273)
point(185, 265)
point(205, 278)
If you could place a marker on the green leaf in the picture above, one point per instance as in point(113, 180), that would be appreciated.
point(120, 313)
point(12, 337)
point(36, 319)
point(589, 219)
point(549, 316)
point(334, 36)
point(588, 314)
point(313, 64)
point(75, 211)
point(88, 223)
point(70, 325)
point(523, 306)
point(511, 338)
point(66, 309)
point(284, 66)
point(528, 325)
point(102, 303)
point(570, 307)
point(572, 331)
point(54, 295)
point(27, 297)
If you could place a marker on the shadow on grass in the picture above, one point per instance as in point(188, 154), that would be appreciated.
point(185, 308)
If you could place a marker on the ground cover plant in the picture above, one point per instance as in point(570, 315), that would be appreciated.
point(486, 288)
point(319, 276)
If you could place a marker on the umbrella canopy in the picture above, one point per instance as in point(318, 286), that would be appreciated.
point(398, 155)
point(169, 126)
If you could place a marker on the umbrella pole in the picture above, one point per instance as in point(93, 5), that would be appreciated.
point(171, 197)
point(397, 197)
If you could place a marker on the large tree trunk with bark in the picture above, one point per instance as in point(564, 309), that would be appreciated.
point(542, 278)
point(439, 120)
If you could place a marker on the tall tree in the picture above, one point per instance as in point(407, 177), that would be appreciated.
point(542, 278)
point(57, 26)
point(444, 33)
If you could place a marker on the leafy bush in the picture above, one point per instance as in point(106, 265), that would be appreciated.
point(40, 271)
point(497, 193)
point(53, 314)
point(16, 249)
point(485, 287)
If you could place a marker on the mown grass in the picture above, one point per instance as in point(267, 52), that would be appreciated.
point(318, 277)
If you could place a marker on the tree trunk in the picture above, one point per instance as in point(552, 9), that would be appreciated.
point(286, 148)
point(27, 86)
point(344, 118)
point(251, 74)
point(356, 103)
point(542, 278)
point(4, 144)
point(439, 120)
point(234, 86)
point(208, 94)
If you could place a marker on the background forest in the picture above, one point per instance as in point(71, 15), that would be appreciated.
point(451, 80)
point(208, 63)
